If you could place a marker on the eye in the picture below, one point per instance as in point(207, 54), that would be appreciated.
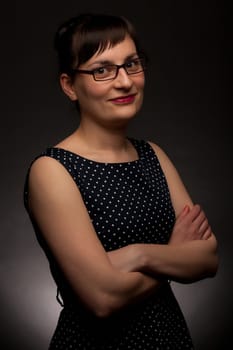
point(134, 66)
point(133, 63)
point(104, 72)
point(100, 70)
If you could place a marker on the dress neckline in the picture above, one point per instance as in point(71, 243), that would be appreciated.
point(92, 161)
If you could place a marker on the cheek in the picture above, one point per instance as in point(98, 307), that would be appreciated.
point(95, 92)
point(88, 90)
point(140, 82)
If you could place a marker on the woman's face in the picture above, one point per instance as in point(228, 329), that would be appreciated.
point(111, 101)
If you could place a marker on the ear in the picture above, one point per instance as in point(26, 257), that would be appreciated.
point(68, 86)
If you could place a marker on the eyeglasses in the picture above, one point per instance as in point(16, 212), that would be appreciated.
point(110, 71)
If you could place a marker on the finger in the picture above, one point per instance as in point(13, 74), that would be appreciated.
point(207, 234)
point(183, 213)
point(194, 212)
point(199, 220)
point(204, 226)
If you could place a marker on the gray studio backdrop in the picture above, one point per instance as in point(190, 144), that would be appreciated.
point(187, 111)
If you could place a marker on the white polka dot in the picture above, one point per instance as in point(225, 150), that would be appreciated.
point(127, 203)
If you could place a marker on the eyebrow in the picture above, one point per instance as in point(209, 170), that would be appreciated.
point(106, 62)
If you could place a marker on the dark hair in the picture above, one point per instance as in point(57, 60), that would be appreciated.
point(79, 38)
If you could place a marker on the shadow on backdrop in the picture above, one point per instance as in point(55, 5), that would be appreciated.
point(187, 110)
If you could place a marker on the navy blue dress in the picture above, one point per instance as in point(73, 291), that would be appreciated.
point(128, 203)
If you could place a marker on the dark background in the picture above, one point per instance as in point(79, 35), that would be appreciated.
point(187, 111)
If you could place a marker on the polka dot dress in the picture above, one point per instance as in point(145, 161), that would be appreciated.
point(127, 203)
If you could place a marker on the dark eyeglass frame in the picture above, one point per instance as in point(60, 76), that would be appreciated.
point(92, 72)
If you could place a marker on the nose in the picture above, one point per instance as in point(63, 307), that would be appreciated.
point(123, 80)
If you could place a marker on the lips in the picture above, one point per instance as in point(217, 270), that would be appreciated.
point(124, 99)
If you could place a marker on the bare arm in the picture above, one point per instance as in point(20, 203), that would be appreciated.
point(192, 250)
point(189, 256)
point(57, 206)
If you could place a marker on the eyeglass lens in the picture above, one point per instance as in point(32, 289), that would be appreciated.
point(111, 71)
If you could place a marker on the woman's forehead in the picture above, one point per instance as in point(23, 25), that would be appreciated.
point(119, 51)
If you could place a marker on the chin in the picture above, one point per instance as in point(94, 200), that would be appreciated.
point(122, 120)
point(127, 111)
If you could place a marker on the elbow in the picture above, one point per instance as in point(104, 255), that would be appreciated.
point(212, 263)
point(105, 305)
point(213, 266)
point(214, 260)
point(209, 267)
point(103, 312)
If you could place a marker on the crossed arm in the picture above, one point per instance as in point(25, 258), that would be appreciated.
point(189, 256)
point(107, 282)
point(191, 253)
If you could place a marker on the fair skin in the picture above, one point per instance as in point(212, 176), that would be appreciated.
point(106, 282)
point(191, 252)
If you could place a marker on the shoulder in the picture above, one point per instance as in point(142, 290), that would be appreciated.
point(44, 164)
point(153, 149)
point(49, 187)
point(162, 156)
point(167, 165)
point(179, 195)
point(52, 159)
point(157, 149)
point(47, 174)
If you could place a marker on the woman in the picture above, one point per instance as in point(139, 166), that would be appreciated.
point(111, 212)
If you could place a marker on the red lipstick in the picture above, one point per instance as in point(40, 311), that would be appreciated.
point(123, 99)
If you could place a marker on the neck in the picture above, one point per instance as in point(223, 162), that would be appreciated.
point(99, 138)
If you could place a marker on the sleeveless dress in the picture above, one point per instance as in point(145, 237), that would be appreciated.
point(128, 203)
